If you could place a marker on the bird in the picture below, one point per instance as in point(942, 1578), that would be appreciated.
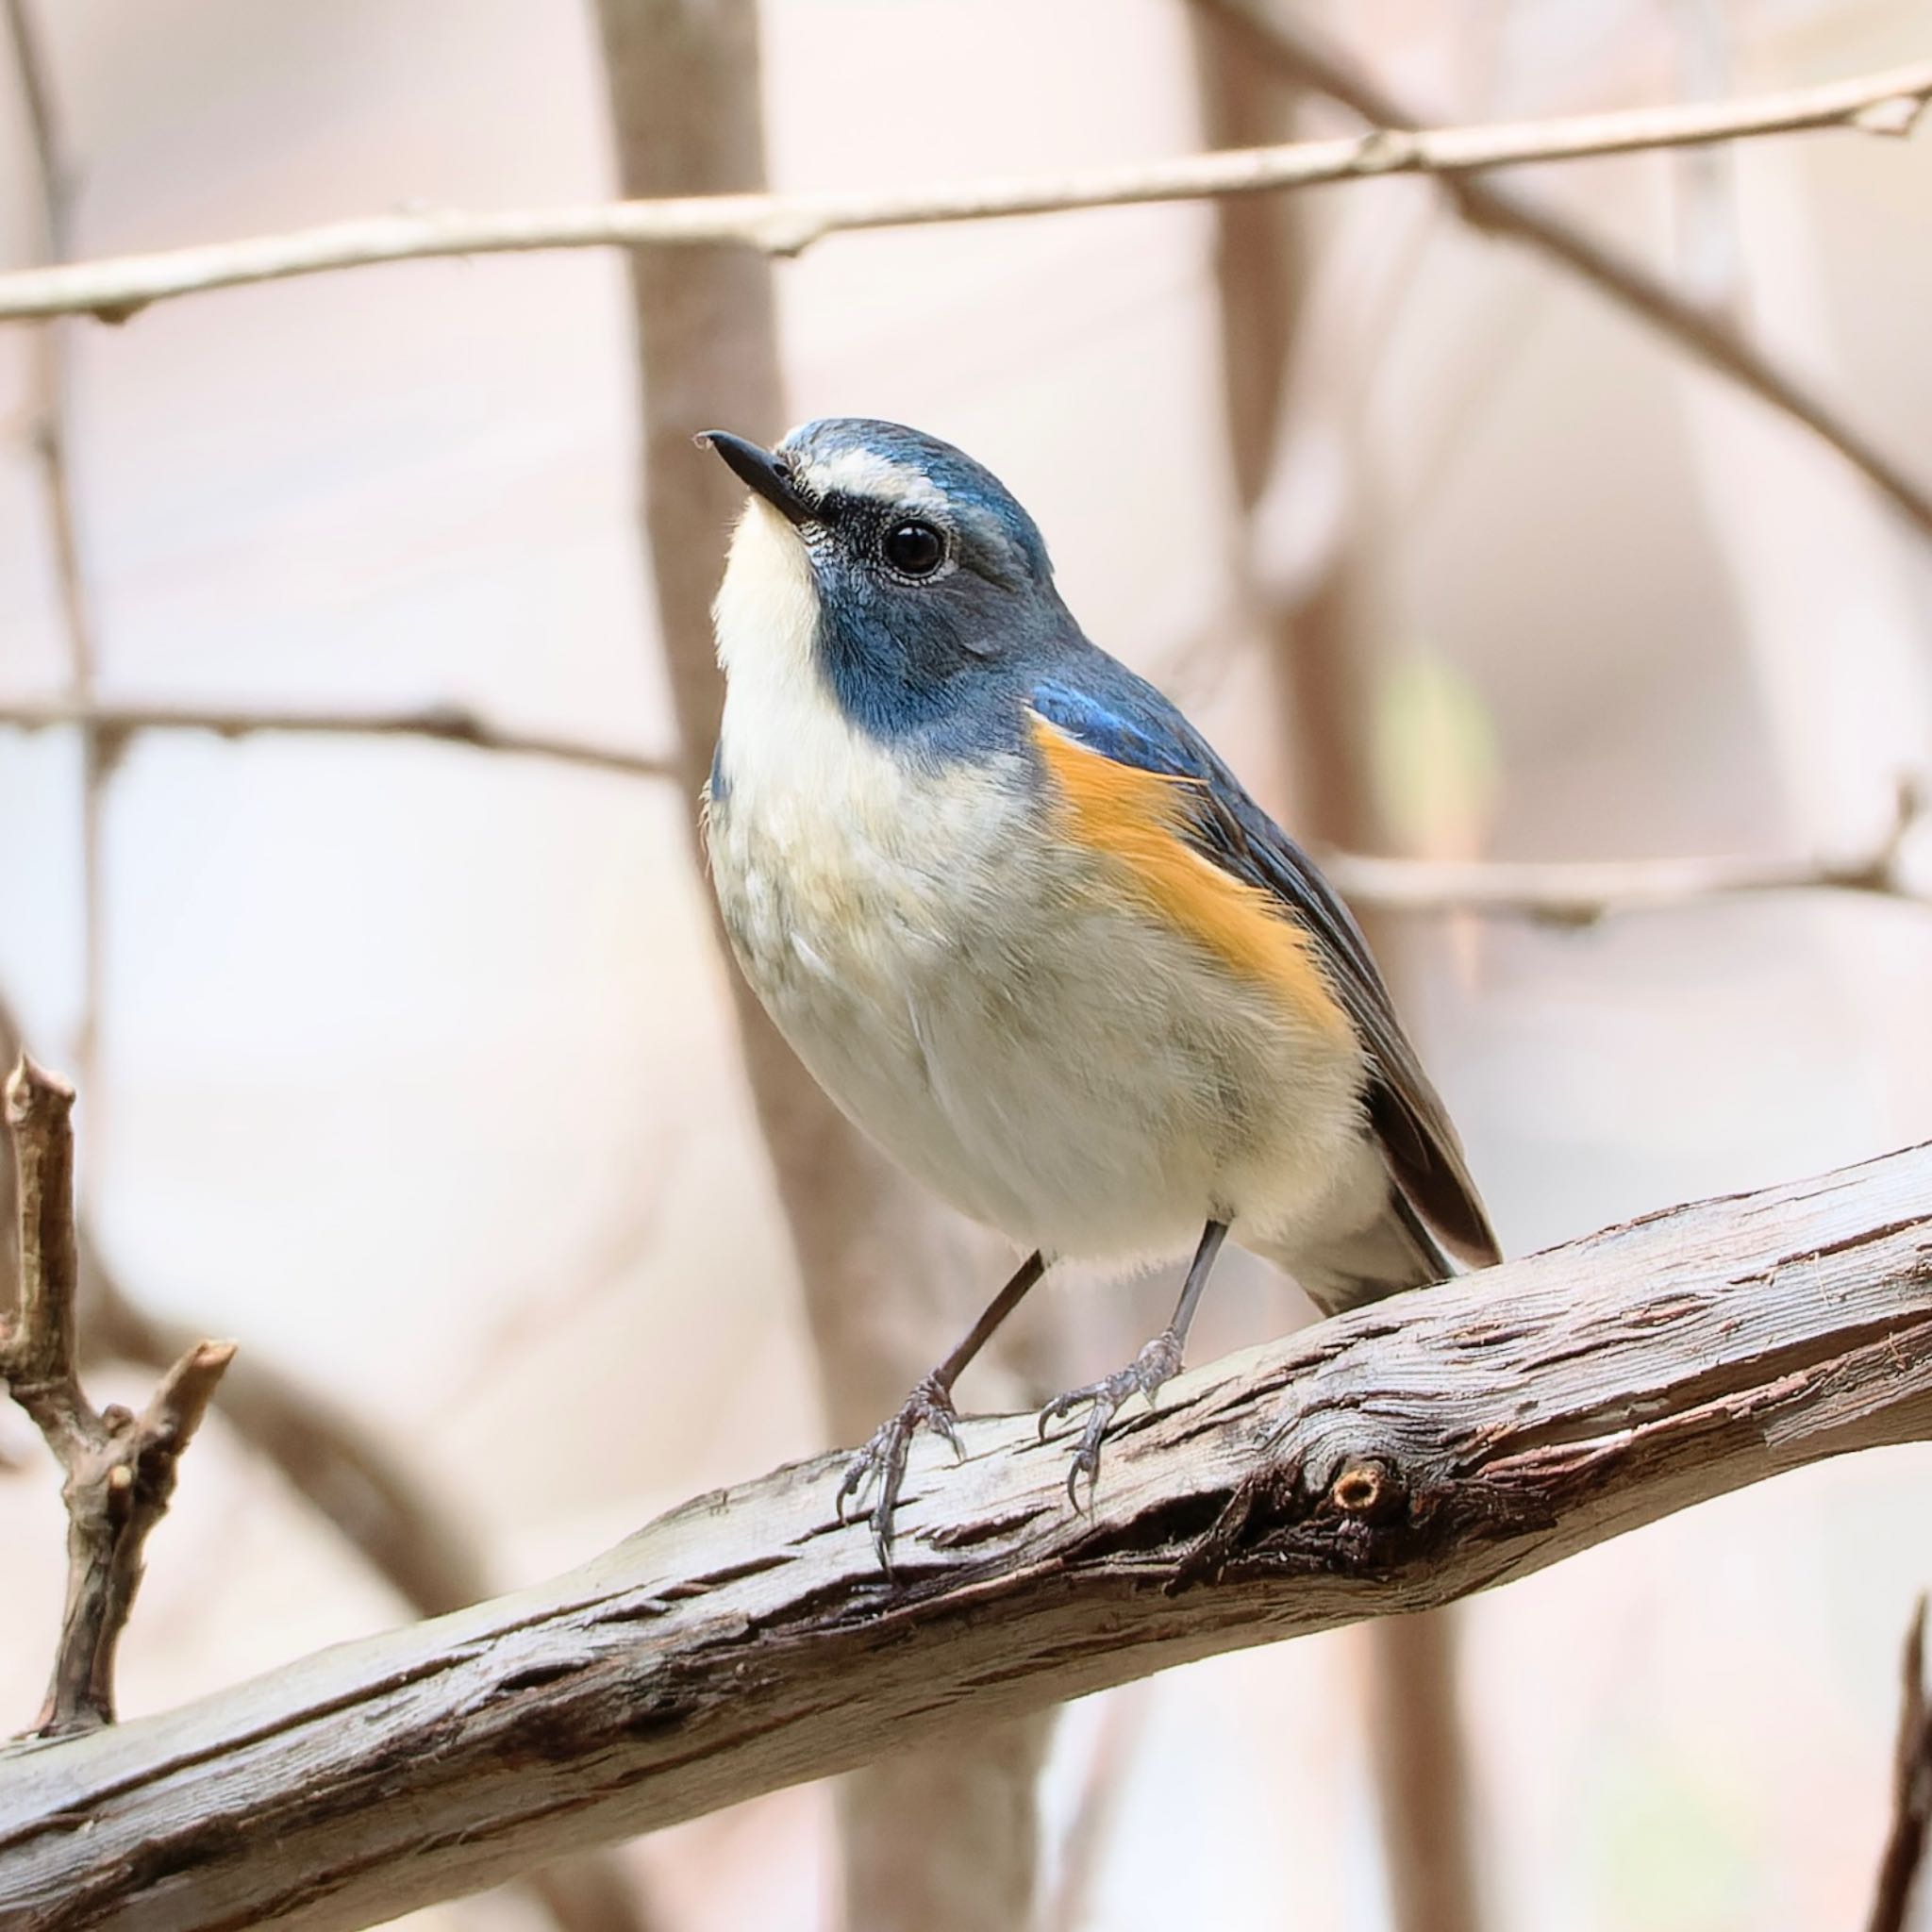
point(1029, 931)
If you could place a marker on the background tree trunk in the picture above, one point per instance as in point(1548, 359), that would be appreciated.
point(946, 1842)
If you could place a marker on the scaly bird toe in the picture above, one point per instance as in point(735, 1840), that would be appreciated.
point(1156, 1363)
point(885, 1457)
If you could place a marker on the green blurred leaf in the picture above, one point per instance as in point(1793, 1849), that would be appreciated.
point(1437, 769)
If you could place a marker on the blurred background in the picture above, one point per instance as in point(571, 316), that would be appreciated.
point(419, 1070)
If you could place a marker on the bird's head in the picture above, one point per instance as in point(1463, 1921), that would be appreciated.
point(892, 565)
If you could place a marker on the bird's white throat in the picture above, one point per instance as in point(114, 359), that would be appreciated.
point(786, 746)
point(767, 609)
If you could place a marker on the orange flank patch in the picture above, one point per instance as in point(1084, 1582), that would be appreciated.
point(1137, 819)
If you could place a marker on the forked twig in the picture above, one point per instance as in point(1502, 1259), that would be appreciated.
point(119, 1467)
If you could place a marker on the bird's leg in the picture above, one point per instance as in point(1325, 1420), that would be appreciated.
point(1144, 1375)
point(930, 1402)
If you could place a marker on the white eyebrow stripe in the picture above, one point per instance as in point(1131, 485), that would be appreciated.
point(865, 473)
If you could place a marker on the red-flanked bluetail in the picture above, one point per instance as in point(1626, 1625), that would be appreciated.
point(1029, 931)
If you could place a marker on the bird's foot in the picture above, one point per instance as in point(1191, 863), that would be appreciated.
point(1156, 1363)
point(883, 1459)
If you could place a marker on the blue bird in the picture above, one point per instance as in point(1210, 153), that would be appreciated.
point(1028, 929)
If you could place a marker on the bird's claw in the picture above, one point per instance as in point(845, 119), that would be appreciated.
point(884, 1458)
point(1156, 1363)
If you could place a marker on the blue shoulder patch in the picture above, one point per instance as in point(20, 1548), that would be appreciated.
point(718, 786)
point(1132, 727)
point(1123, 717)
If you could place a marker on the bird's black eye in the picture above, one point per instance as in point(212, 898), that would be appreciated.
point(914, 550)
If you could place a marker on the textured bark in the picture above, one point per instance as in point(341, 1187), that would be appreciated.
point(684, 83)
point(1387, 1461)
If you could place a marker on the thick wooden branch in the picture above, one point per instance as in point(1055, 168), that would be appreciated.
point(119, 1467)
point(1888, 103)
point(1390, 1460)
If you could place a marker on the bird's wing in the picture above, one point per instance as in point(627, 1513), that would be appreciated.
point(1123, 719)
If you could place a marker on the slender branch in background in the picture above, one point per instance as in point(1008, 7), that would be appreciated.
point(119, 1468)
point(1568, 892)
point(1412, 1452)
point(1912, 1791)
point(344, 1475)
point(443, 723)
point(1581, 893)
point(1282, 36)
point(52, 187)
point(1089, 1832)
point(1887, 102)
point(685, 101)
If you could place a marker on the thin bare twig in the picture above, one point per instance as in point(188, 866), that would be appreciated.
point(1556, 893)
point(1887, 102)
point(1286, 38)
point(444, 724)
point(1911, 1790)
point(119, 1467)
point(1579, 893)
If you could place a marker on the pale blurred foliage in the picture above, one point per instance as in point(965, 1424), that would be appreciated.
point(416, 1066)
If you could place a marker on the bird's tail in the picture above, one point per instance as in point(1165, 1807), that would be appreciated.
point(1385, 1255)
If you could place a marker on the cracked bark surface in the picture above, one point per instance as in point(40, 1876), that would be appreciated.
point(1390, 1460)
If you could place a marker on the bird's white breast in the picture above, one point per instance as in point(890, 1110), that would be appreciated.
point(971, 990)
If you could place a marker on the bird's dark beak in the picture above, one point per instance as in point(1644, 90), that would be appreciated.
point(759, 470)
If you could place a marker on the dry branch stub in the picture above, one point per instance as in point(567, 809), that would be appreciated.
point(119, 1468)
point(1390, 1460)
